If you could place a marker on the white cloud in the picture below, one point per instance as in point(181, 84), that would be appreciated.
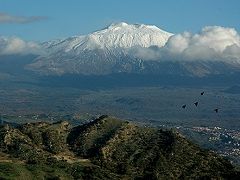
point(215, 37)
point(212, 43)
point(16, 45)
point(232, 52)
point(7, 18)
point(151, 53)
point(178, 43)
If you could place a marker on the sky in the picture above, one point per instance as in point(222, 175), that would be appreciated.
point(44, 20)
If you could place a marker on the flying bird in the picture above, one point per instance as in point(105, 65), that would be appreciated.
point(202, 93)
point(184, 106)
point(196, 104)
point(216, 110)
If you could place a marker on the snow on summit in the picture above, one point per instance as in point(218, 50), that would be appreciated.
point(128, 35)
point(118, 35)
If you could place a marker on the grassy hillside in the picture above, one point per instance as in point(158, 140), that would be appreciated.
point(106, 148)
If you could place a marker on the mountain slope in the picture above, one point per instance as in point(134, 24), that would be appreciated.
point(107, 148)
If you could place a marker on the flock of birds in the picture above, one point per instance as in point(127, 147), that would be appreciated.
point(196, 104)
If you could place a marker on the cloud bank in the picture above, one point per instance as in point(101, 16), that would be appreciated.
point(16, 45)
point(211, 43)
point(7, 18)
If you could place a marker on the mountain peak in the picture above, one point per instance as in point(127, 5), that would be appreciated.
point(134, 26)
point(127, 28)
point(120, 24)
point(117, 35)
point(123, 35)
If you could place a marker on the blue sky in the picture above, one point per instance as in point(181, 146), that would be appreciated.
point(48, 19)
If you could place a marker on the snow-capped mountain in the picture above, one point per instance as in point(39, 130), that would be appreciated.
point(120, 35)
point(121, 48)
point(101, 52)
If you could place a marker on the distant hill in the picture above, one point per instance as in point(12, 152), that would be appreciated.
point(105, 148)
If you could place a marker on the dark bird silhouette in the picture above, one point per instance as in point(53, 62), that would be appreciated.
point(216, 110)
point(184, 106)
point(202, 93)
point(196, 104)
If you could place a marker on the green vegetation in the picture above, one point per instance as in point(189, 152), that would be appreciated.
point(86, 140)
point(106, 148)
point(26, 171)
